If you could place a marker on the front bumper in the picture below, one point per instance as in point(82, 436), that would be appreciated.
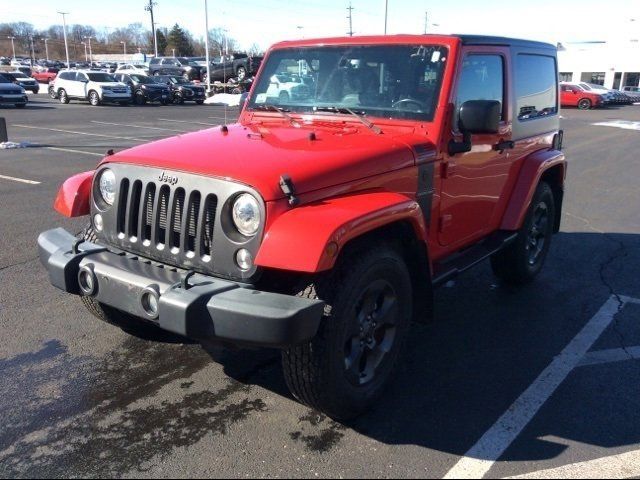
point(202, 307)
point(18, 99)
point(116, 97)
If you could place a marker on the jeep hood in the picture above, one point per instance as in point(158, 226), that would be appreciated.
point(257, 155)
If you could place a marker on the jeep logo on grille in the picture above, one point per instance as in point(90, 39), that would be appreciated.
point(170, 179)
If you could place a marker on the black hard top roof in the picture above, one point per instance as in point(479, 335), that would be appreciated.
point(502, 41)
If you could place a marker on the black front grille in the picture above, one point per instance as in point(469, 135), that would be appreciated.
point(160, 217)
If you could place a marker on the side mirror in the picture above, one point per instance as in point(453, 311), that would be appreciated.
point(480, 116)
point(476, 116)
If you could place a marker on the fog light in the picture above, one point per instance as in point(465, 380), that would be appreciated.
point(98, 222)
point(87, 280)
point(244, 259)
point(149, 301)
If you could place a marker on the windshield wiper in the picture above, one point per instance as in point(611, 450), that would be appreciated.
point(370, 125)
point(267, 107)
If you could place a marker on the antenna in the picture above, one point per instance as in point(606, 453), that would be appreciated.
point(350, 17)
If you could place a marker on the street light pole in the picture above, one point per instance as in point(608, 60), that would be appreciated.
point(46, 48)
point(86, 56)
point(149, 8)
point(90, 52)
point(64, 30)
point(386, 15)
point(125, 49)
point(206, 44)
point(13, 47)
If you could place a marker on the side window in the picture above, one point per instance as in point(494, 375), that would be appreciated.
point(82, 77)
point(482, 78)
point(536, 86)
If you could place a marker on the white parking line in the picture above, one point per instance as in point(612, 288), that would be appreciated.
point(610, 356)
point(83, 133)
point(21, 180)
point(481, 457)
point(188, 121)
point(138, 126)
point(624, 124)
point(624, 465)
point(70, 150)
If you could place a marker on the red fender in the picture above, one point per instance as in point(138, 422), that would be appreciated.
point(532, 170)
point(74, 195)
point(309, 238)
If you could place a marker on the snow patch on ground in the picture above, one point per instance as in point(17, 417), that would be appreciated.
point(8, 145)
point(228, 99)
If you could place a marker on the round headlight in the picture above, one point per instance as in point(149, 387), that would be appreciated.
point(108, 186)
point(246, 214)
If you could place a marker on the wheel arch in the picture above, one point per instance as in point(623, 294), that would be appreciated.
point(548, 165)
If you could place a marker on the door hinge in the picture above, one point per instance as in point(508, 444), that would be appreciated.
point(448, 169)
point(445, 221)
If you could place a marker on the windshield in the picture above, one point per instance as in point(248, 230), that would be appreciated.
point(19, 75)
point(4, 79)
point(398, 81)
point(101, 77)
point(180, 80)
point(186, 61)
point(141, 79)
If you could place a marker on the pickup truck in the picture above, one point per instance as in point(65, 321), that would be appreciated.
point(238, 66)
point(321, 223)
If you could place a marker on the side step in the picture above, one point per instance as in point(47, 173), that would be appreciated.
point(450, 267)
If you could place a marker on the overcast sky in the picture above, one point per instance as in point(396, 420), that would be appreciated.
point(267, 21)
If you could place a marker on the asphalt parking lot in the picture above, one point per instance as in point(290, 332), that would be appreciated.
point(542, 380)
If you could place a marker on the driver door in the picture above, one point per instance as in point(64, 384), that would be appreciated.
point(474, 183)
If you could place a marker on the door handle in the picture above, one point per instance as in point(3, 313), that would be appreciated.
point(504, 145)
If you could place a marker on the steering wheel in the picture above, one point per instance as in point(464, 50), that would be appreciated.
point(410, 104)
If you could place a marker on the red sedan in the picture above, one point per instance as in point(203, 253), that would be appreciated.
point(574, 96)
point(48, 75)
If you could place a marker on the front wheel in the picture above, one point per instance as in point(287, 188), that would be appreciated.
point(241, 73)
point(522, 260)
point(584, 104)
point(62, 95)
point(140, 99)
point(199, 102)
point(94, 98)
point(346, 367)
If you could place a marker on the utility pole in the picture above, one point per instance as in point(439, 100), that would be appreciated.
point(86, 56)
point(206, 45)
point(350, 17)
point(13, 47)
point(46, 48)
point(386, 15)
point(90, 52)
point(33, 52)
point(149, 8)
point(125, 50)
point(64, 30)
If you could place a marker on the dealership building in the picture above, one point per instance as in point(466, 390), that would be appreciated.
point(612, 64)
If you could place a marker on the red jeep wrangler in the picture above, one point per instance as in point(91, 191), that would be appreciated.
point(321, 223)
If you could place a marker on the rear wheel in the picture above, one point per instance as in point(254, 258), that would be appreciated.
point(284, 97)
point(199, 102)
point(584, 104)
point(52, 92)
point(346, 367)
point(521, 261)
point(241, 73)
point(139, 98)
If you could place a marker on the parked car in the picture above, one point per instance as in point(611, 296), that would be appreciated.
point(46, 75)
point(238, 66)
point(94, 87)
point(323, 226)
point(132, 68)
point(613, 97)
point(286, 87)
point(24, 81)
point(176, 66)
point(11, 93)
point(572, 95)
point(144, 89)
point(632, 92)
point(183, 90)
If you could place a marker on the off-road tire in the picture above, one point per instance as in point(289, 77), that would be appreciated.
point(513, 265)
point(62, 95)
point(316, 372)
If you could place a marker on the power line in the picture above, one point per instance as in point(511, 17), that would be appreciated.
point(350, 17)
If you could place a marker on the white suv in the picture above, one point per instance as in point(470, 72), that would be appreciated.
point(96, 87)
